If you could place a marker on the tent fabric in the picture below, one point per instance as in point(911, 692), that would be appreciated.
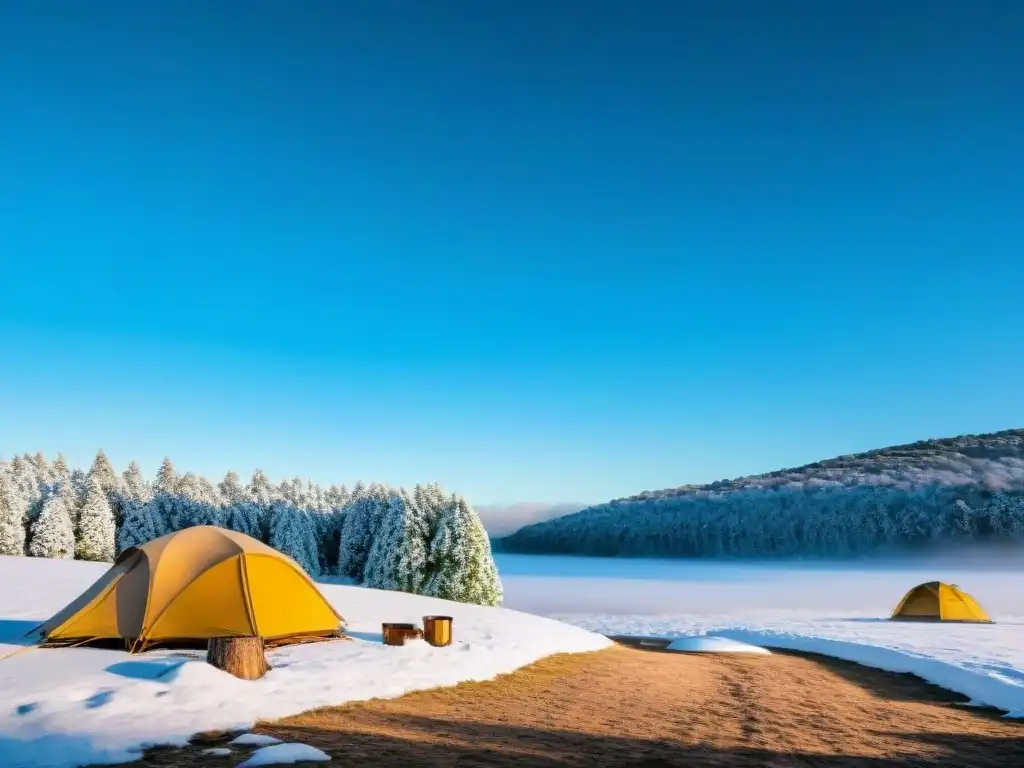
point(196, 584)
point(937, 601)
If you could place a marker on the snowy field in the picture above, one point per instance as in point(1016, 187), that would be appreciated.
point(65, 707)
point(837, 611)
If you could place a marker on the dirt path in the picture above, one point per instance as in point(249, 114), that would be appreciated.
point(627, 707)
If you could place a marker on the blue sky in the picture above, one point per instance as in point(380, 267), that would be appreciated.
point(534, 251)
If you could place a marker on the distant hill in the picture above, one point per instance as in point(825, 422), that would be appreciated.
point(933, 492)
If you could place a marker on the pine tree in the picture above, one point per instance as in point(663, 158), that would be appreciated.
point(362, 520)
point(103, 473)
point(166, 478)
point(291, 534)
point(398, 556)
point(162, 513)
point(59, 469)
point(134, 486)
point(53, 534)
point(245, 517)
point(12, 519)
point(262, 491)
point(138, 526)
point(96, 529)
point(26, 486)
point(76, 490)
point(231, 488)
point(460, 563)
point(41, 466)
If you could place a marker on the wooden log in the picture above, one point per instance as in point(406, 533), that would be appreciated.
point(242, 657)
point(437, 630)
point(397, 633)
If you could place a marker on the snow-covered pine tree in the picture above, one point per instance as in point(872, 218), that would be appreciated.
point(245, 517)
point(12, 519)
point(362, 521)
point(53, 533)
point(262, 491)
point(96, 528)
point(431, 500)
point(41, 466)
point(460, 563)
point(26, 486)
point(134, 486)
point(292, 535)
point(138, 525)
point(333, 518)
point(59, 469)
point(398, 556)
point(103, 473)
point(76, 490)
point(162, 512)
point(166, 478)
point(231, 488)
point(135, 502)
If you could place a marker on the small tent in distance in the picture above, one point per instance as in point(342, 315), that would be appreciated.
point(191, 586)
point(938, 601)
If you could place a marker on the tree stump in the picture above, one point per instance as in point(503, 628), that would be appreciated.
point(242, 657)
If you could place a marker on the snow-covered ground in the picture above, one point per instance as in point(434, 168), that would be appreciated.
point(65, 707)
point(837, 611)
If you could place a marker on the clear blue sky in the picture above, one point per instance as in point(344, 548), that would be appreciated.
point(531, 250)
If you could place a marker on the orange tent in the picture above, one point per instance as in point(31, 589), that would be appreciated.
point(192, 585)
point(936, 601)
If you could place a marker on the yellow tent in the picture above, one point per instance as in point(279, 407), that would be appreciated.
point(195, 584)
point(937, 601)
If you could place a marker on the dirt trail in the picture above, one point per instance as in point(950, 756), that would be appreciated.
point(629, 707)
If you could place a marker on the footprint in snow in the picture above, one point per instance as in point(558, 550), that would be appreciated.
point(99, 698)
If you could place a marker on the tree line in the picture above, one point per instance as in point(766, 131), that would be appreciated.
point(833, 521)
point(423, 540)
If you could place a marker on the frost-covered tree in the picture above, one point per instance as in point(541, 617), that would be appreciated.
point(398, 557)
point(139, 525)
point(363, 516)
point(103, 473)
point(12, 519)
point(262, 491)
point(166, 478)
point(53, 533)
point(461, 566)
point(96, 528)
point(134, 485)
point(26, 486)
point(197, 502)
point(291, 533)
point(41, 466)
point(231, 489)
point(245, 517)
point(76, 490)
point(59, 470)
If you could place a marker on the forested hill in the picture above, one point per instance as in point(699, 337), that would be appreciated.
point(933, 492)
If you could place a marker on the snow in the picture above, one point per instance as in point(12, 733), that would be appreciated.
point(254, 740)
point(839, 611)
point(217, 752)
point(710, 644)
point(285, 753)
point(66, 707)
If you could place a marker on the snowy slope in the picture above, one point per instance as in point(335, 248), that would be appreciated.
point(65, 707)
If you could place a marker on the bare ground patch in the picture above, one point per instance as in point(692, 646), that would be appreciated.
point(629, 707)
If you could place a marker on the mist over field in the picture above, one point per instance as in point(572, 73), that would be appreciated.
point(506, 519)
